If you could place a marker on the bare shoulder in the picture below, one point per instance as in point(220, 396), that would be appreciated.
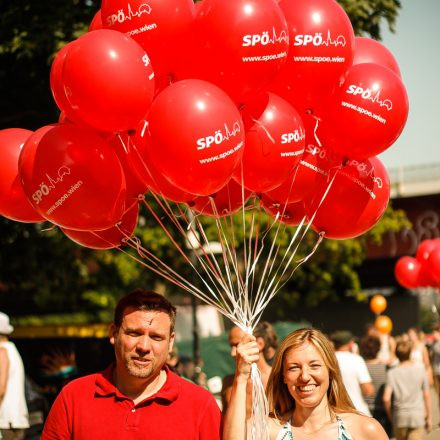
point(275, 425)
point(363, 427)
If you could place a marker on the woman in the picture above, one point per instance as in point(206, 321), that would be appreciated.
point(305, 393)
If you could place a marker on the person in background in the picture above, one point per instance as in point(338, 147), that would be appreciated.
point(420, 354)
point(307, 398)
point(266, 331)
point(357, 379)
point(14, 417)
point(138, 397)
point(369, 347)
point(387, 346)
point(435, 358)
point(235, 336)
point(407, 384)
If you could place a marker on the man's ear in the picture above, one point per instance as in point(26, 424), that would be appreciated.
point(112, 333)
point(171, 344)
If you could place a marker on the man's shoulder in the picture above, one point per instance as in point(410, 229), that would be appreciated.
point(82, 383)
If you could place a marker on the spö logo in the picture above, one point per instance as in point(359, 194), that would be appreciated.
point(121, 16)
point(296, 136)
point(46, 188)
point(318, 40)
point(218, 137)
point(373, 96)
point(265, 38)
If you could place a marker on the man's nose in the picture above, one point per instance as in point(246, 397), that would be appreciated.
point(143, 344)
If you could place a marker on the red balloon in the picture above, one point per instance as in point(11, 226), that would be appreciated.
point(406, 271)
point(138, 145)
point(432, 265)
point(320, 52)
point(291, 214)
point(273, 147)
point(425, 248)
point(197, 136)
point(108, 80)
point(135, 186)
point(238, 45)
point(57, 86)
point(229, 200)
point(369, 111)
point(312, 172)
point(73, 178)
point(354, 203)
point(13, 201)
point(367, 50)
point(96, 23)
point(159, 26)
point(108, 238)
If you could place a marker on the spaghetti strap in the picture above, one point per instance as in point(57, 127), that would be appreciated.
point(343, 433)
point(285, 433)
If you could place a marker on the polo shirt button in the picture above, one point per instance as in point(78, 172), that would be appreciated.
point(133, 410)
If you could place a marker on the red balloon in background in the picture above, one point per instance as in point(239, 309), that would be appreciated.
point(354, 203)
point(13, 201)
point(367, 50)
point(73, 178)
point(425, 248)
point(432, 265)
point(313, 170)
point(240, 46)
point(406, 271)
point(291, 214)
point(273, 147)
point(135, 186)
point(108, 238)
point(159, 26)
point(96, 22)
point(197, 136)
point(138, 145)
point(108, 80)
point(321, 50)
point(369, 111)
point(227, 201)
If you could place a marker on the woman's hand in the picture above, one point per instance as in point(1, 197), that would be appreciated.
point(247, 353)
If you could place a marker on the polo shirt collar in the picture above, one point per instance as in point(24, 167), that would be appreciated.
point(169, 392)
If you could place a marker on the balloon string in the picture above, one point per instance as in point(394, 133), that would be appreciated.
point(318, 120)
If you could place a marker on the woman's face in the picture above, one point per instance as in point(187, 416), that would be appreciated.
point(306, 375)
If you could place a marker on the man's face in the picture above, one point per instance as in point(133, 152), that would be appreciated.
point(142, 343)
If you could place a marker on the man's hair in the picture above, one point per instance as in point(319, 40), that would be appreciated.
point(369, 346)
point(403, 350)
point(266, 331)
point(145, 300)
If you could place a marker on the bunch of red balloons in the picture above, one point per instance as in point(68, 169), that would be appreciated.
point(210, 103)
point(423, 270)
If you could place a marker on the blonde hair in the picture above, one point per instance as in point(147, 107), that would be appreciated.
point(279, 398)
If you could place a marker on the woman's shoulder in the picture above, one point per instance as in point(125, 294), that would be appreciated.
point(276, 424)
point(363, 427)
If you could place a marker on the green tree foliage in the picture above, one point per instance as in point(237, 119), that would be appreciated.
point(41, 271)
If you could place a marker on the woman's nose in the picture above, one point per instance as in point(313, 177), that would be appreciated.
point(305, 375)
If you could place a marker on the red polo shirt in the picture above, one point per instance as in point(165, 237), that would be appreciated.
point(92, 408)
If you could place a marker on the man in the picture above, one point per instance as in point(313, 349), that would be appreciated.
point(235, 336)
point(357, 379)
point(138, 397)
point(13, 409)
point(407, 385)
